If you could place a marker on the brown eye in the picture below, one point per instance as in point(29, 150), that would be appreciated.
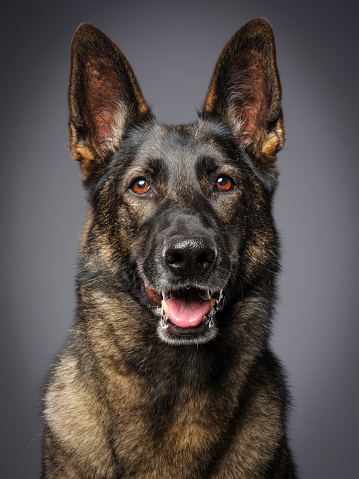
point(224, 183)
point(140, 186)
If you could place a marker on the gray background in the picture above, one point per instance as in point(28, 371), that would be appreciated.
point(172, 48)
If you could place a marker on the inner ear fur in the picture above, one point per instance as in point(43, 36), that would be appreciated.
point(245, 90)
point(104, 98)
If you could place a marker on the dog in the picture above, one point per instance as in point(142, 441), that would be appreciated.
point(168, 372)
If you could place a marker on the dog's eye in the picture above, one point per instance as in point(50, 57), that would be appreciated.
point(224, 183)
point(140, 186)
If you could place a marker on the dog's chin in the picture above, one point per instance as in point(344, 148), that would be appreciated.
point(186, 316)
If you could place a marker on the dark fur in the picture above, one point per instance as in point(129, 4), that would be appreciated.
point(132, 395)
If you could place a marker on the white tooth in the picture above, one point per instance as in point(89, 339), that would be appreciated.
point(213, 302)
point(165, 307)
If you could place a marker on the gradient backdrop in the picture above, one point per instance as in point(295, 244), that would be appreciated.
point(172, 47)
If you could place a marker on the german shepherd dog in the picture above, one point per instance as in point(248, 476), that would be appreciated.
point(168, 373)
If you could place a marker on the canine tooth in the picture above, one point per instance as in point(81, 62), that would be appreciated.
point(206, 316)
point(165, 307)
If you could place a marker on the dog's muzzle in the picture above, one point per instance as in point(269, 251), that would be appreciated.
point(187, 306)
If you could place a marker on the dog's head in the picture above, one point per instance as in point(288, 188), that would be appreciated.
point(180, 213)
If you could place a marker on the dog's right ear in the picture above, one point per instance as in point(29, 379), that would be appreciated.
point(104, 98)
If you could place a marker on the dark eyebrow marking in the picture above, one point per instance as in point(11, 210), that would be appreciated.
point(266, 183)
point(155, 166)
point(207, 162)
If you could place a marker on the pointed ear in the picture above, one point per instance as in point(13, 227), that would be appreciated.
point(104, 98)
point(245, 90)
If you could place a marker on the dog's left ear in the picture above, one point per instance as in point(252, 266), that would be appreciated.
point(245, 91)
point(104, 98)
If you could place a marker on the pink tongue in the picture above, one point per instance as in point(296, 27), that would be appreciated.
point(187, 312)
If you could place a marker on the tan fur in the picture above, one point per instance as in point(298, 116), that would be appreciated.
point(73, 412)
point(260, 435)
point(122, 400)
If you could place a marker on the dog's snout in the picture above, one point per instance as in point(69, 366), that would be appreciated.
point(189, 255)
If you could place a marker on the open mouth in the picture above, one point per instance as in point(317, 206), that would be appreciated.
point(186, 314)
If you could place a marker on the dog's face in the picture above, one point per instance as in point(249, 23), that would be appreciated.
point(181, 213)
point(181, 193)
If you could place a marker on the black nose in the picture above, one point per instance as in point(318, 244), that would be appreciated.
point(189, 255)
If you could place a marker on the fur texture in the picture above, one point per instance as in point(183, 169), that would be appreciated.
point(180, 221)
